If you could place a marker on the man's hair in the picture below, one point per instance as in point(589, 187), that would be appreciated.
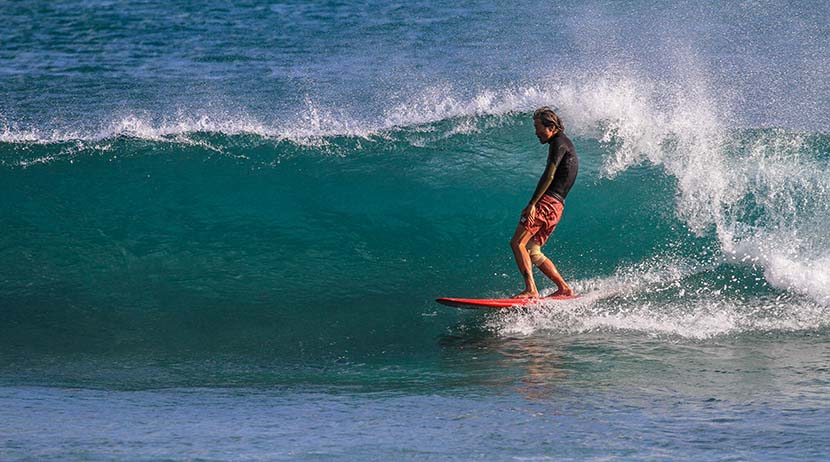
point(549, 118)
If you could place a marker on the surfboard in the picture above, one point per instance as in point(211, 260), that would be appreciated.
point(498, 303)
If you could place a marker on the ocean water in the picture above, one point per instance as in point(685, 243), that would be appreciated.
point(224, 226)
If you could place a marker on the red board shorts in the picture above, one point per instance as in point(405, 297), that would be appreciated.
point(548, 213)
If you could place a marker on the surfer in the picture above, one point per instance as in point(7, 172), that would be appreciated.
point(544, 210)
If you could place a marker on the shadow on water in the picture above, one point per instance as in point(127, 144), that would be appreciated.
point(534, 366)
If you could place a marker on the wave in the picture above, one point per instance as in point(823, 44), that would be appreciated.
point(213, 208)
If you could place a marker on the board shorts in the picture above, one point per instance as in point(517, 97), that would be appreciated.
point(548, 213)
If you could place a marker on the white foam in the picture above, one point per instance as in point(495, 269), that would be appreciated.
point(786, 266)
point(134, 126)
point(767, 197)
point(619, 304)
point(312, 123)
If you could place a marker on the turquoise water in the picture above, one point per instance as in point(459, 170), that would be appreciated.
point(224, 227)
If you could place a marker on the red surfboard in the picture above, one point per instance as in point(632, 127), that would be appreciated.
point(483, 303)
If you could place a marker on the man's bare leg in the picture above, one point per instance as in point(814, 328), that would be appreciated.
point(518, 243)
point(551, 272)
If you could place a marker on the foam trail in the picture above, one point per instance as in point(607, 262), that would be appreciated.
point(661, 303)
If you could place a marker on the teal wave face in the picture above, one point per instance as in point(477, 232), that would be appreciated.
point(263, 247)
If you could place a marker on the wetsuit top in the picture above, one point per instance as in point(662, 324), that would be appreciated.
point(563, 155)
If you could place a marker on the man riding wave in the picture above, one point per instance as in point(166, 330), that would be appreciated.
point(544, 210)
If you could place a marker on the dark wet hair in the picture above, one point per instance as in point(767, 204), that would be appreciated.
point(549, 118)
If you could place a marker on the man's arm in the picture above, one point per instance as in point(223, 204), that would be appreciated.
point(544, 183)
point(545, 180)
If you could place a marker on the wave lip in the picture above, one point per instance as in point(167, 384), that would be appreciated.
point(310, 123)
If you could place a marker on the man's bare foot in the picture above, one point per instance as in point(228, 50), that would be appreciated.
point(563, 292)
point(527, 294)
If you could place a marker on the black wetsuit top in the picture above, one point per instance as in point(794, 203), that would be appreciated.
point(563, 155)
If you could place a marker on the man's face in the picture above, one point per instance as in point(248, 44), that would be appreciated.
point(543, 133)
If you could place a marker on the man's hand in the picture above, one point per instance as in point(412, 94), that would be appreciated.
point(529, 213)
